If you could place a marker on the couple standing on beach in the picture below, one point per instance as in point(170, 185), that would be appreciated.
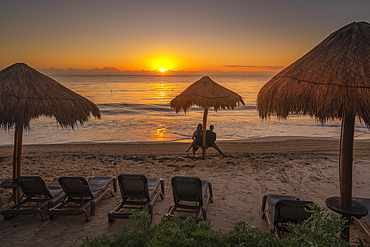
point(198, 138)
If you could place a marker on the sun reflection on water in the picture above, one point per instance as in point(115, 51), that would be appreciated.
point(161, 93)
point(160, 134)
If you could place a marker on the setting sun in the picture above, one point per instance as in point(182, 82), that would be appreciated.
point(162, 64)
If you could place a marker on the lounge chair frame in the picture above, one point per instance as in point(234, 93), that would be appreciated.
point(81, 194)
point(36, 195)
point(280, 209)
point(134, 187)
point(190, 189)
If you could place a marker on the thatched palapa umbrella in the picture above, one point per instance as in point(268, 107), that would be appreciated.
point(206, 93)
point(332, 81)
point(27, 94)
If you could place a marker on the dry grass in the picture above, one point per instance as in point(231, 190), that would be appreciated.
point(26, 94)
point(333, 74)
point(206, 93)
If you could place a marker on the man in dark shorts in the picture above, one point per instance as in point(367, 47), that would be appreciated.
point(211, 138)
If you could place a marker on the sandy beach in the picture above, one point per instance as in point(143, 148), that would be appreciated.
point(306, 168)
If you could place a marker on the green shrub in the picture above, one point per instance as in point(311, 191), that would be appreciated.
point(177, 232)
point(321, 229)
point(242, 235)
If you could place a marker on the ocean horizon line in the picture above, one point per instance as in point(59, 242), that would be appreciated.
point(161, 75)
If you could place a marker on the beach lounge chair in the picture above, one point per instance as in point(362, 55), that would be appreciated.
point(190, 196)
point(3, 191)
point(36, 195)
point(280, 209)
point(81, 194)
point(364, 222)
point(138, 192)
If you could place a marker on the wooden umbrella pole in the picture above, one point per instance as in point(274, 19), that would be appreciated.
point(346, 166)
point(204, 132)
point(17, 160)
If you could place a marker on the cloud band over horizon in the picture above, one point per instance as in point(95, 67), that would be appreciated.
point(257, 70)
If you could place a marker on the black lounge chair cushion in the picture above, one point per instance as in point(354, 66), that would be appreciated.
point(134, 185)
point(290, 208)
point(188, 188)
point(153, 185)
point(80, 187)
point(86, 193)
point(36, 195)
point(282, 209)
point(35, 186)
point(99, 184)
point(137, 186)
point(191, 189)
point(54, 188)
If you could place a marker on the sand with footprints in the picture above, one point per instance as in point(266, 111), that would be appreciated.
point(306, 168)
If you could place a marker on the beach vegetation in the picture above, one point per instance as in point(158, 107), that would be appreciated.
point(321, 229)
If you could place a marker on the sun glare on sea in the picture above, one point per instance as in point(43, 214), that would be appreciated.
point(162, 70)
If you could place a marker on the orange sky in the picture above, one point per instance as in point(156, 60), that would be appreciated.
point(214, 36)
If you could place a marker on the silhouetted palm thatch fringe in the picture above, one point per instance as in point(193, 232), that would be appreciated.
point(334, 73)
point(206, 93)
point(26, 94)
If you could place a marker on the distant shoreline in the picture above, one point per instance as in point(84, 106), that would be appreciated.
point(286, 145)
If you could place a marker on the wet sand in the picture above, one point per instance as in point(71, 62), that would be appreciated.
point(306, 168)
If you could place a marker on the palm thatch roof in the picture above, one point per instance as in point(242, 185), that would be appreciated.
point(206, 93)
point(333, 74)
point(26, 94)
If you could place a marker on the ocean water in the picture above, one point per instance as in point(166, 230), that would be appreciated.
point(136, 109)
